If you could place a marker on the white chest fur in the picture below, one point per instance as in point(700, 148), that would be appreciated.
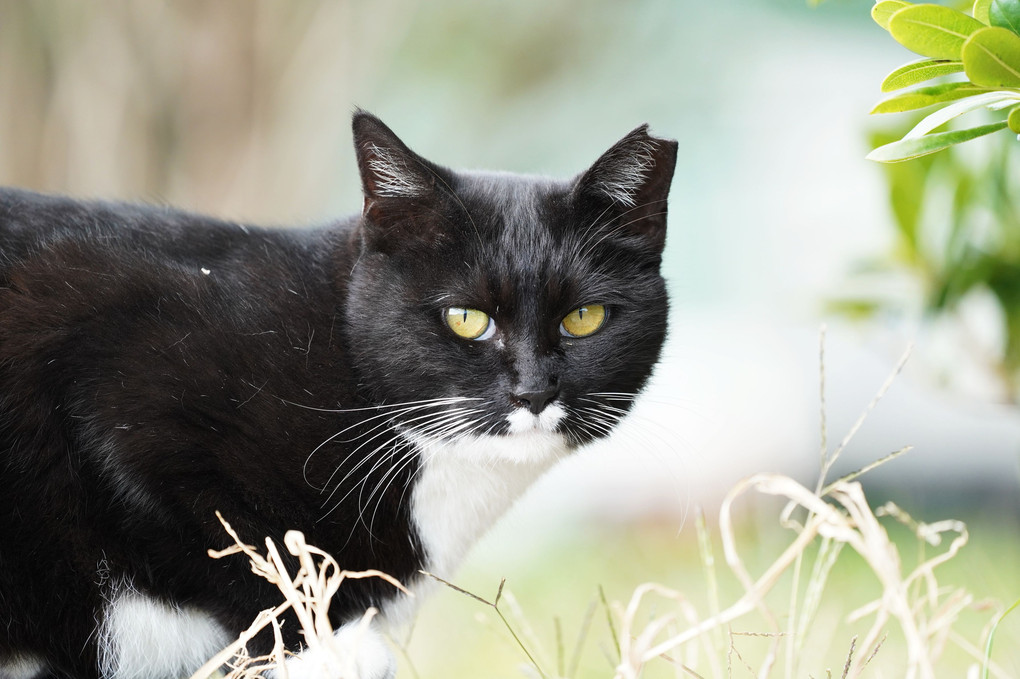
point(465, 485)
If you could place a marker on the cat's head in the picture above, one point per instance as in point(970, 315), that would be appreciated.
point(522, 311)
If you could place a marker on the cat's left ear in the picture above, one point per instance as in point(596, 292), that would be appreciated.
point(629, 185)
point(393, 177)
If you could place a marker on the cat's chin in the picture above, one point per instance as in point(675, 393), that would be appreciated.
point(529, 448)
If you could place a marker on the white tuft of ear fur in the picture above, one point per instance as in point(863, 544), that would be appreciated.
point(624, 172)
point(393, 179)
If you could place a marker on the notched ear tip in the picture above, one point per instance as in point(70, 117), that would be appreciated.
point(638, 168)
point(661, 146)
point(643, 133)
point(668, 149)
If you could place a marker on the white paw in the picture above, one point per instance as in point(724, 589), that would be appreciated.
point(355, 651)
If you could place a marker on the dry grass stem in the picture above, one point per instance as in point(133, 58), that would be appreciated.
point(494, 605)
point(308, 594)
point(830, 460)
point(844, 520)
point(834, 516)
point(849, 658)
point(582, 635)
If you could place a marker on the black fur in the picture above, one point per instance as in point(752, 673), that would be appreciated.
point(158, 366)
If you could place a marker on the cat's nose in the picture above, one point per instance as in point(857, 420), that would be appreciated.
point(536, 400)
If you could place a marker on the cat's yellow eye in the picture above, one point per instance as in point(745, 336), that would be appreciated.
point(583, 321)
point(470, 324)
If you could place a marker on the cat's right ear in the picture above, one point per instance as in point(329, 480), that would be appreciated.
point(628, 187)
point(394, 179)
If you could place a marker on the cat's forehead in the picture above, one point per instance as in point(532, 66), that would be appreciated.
point(516, 213)
point(520, 242)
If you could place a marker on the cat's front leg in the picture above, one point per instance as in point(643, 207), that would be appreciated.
point(357, 650)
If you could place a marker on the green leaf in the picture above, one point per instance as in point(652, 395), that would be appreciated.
point(919, 71)
point(1004, 282)
point(885, 9)
point(980, 11)
point(959, 278)
point(965, 197)
point(1013, 119)
point(933, 30)
point(905, 149)
point(991, 635)
point(996, 100)
point(991, 58)
point(855, 309)
point(1005, 14)
point(927, 96)
point(908, 185)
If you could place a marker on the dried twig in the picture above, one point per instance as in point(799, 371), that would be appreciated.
point(308, 593)
point(494, 605)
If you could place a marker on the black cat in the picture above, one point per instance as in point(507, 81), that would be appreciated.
point(387, 384)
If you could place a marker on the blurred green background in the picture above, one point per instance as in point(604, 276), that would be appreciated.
point(241, 108)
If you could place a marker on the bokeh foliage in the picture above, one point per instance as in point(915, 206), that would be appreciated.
point(957, 213)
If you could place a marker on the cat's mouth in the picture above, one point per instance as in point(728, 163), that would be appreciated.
point(523, 421)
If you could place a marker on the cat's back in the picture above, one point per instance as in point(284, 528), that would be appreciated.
point(100, 284)
point(35, 225)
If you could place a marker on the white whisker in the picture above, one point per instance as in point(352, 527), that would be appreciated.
point(404, 409)
point(441, 416)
